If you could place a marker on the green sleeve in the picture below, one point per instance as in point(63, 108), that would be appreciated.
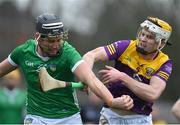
point(73, 56)
point(16, 55)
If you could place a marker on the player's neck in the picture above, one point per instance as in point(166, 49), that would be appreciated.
point(40, 52)
point(151, 56)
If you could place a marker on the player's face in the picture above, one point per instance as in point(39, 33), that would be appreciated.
point(147, 41)
point(50, 46)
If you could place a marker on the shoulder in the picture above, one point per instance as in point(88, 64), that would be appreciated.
point(122, 43)
point(68, 47)
point(167, 66)
point(70, 53)
point(164, 61)
point(162, 57)
point(129, 46)
point(115, 49)
point(19, 52)
point(28, 44)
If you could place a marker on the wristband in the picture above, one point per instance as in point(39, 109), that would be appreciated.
point(77, 85)
point(109, 103)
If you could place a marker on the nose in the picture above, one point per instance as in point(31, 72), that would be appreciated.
point(144, 38)
point(54, 45)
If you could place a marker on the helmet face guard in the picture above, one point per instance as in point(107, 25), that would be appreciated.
point(160, 32)
point(50, 28)
point(160, 29)
point(49, 25)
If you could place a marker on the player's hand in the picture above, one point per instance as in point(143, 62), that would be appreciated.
point(123, 102)
point(110, 74)
point(85, 89)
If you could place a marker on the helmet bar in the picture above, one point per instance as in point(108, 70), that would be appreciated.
point(156, 29)
point(52, 25)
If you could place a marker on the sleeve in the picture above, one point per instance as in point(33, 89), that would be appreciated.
point(14, 57)
point(74, 58)
point(165, 71)
point(115, 49)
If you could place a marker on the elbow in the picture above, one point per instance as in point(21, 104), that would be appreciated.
point(153, 97)
point(88, 55)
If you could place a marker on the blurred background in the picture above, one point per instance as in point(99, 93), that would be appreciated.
point(94, 23)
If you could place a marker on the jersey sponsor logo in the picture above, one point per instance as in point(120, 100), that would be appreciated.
point(29, 63)
point(128, 58)
point(149, 71)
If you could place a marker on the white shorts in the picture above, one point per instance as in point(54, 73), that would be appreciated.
point(110, 117)
point(34, 119)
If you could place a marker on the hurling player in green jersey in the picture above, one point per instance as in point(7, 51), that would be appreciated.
point(12, 99)
point(62, 61)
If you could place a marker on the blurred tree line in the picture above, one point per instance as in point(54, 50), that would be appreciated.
point(116, 20)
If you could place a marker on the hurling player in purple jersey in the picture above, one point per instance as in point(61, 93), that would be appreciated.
point(141, 71)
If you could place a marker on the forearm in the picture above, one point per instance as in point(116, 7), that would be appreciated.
point(99, 89)
point(142, 90)
point(86, 75)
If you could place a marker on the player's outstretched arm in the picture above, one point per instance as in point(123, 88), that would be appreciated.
point(48, 82)
point(86, 75)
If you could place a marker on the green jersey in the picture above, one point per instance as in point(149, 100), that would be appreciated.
point(56, 103)
point(12, 106)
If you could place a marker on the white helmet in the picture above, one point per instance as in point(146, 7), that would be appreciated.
point(160, 28)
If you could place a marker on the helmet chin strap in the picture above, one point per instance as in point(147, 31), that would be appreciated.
point(160, 48)
point(143, 52)
point(39, 35)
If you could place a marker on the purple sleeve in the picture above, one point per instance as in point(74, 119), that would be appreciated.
point(115, 49)
point(165, 71)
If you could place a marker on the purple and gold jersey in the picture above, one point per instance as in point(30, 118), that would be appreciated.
point(127, 60)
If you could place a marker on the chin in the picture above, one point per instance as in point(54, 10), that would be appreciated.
point(53, 55)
